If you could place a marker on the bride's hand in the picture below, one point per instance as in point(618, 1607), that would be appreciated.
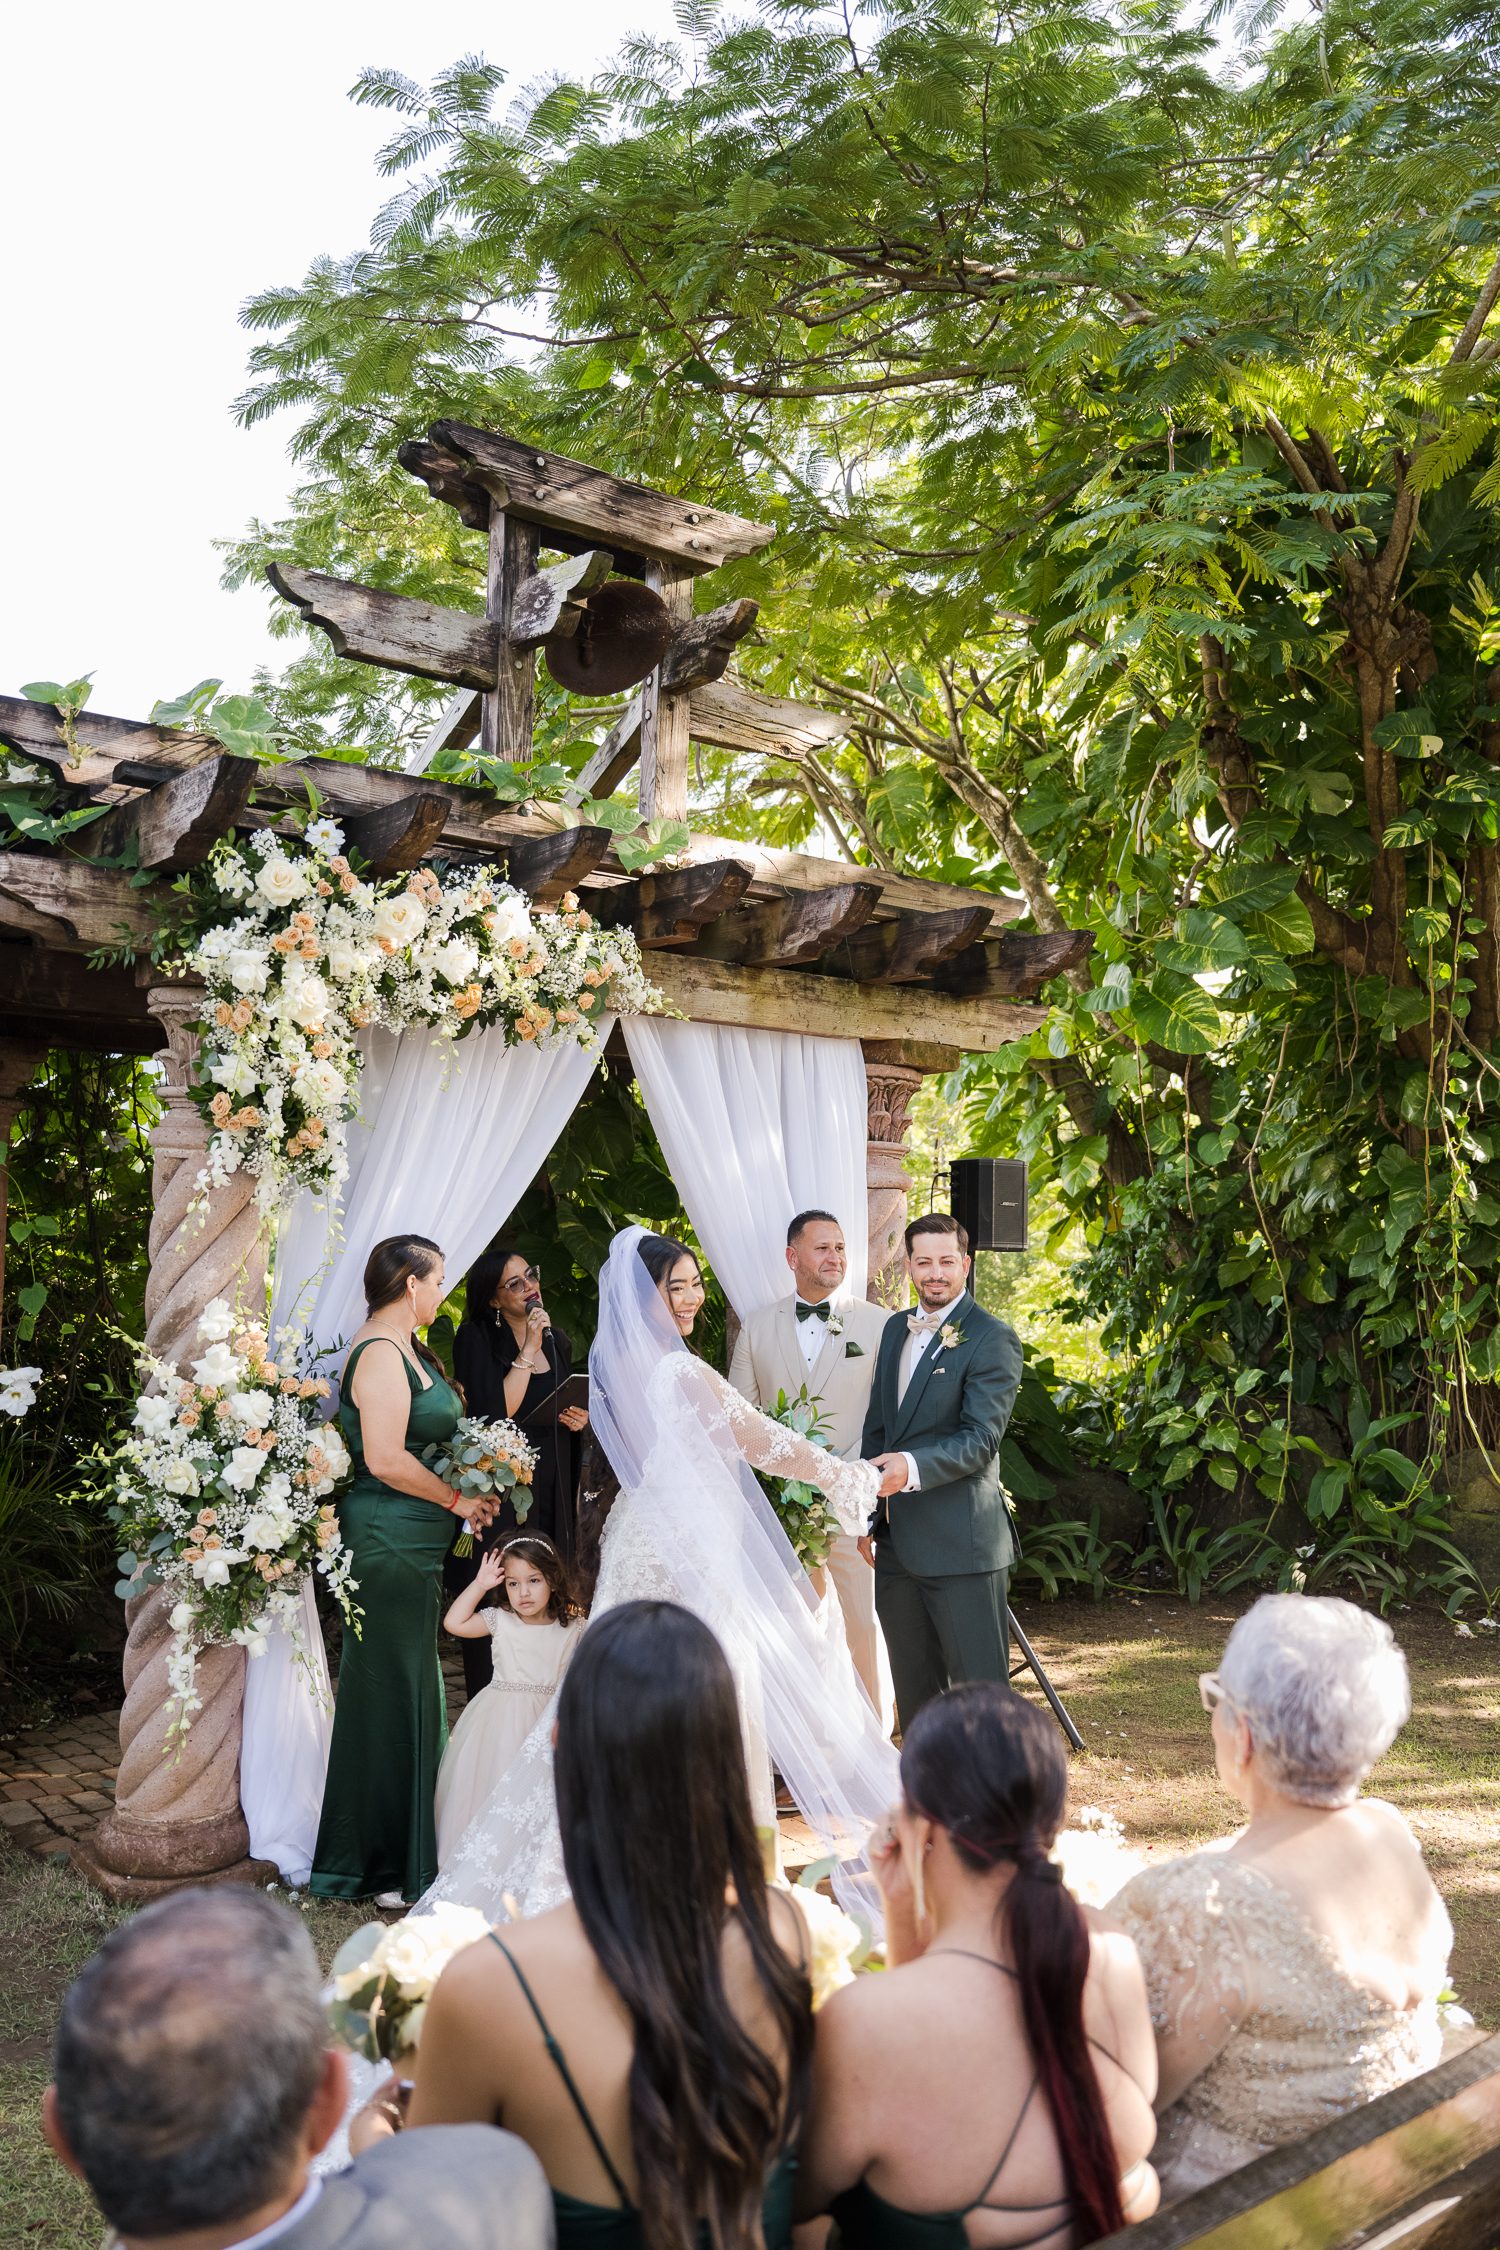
point(383, 2114)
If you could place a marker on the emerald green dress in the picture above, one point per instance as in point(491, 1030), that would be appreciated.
point(390, 1724)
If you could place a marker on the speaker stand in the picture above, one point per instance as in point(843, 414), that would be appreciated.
point(1033, 1663)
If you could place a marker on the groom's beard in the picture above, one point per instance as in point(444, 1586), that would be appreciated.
point(934, 1295)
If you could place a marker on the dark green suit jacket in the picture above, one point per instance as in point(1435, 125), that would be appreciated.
point(951, 1422)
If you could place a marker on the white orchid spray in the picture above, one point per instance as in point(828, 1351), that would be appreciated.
point(300, 952)
point(224, 1491)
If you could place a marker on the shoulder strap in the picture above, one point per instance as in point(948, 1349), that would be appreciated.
point(566, 2076)
point(349, 1364)
point(978, 2202)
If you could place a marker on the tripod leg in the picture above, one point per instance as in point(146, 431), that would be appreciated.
point(1044, 1683)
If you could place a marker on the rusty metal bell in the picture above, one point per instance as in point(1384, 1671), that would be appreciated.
point(622, 635)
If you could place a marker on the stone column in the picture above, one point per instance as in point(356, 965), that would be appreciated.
point(891, 1082)
point(181, 1823)
point(20, 1059)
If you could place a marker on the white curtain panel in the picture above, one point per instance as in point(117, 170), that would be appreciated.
point(448, 1139)
point(756, 1126)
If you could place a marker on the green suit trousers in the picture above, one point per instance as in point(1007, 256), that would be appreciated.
point(939, 1631)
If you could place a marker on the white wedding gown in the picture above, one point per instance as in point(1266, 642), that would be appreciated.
point(692, 1526)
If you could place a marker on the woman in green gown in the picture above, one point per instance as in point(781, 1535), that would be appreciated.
point(376, 1838)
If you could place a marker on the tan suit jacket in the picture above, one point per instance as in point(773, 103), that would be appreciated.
point(768, 1359)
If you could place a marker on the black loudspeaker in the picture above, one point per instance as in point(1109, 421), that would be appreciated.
point(987, 1196)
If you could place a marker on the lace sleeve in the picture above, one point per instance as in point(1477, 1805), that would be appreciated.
point(848, 1486)
point(1186, 1919)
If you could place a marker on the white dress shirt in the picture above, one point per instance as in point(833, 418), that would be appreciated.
point(288, 2219)
point(811, 1333)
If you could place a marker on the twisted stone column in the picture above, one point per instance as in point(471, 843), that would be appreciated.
point(891, 1083)
point(176, 1823)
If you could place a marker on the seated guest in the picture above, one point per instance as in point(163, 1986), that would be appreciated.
point(995, 2090)
point(1294, 1968)
point(194, 2085)
point(650, 2039)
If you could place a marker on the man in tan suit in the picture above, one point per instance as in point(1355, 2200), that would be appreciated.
point(829, 1343)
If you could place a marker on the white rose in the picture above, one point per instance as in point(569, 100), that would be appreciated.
point(402, 919)
point(249, 969)
point(511, 920)
point(213, 1569)
point(218, 1367)
point(215, 1322)
point(345, 960)
point(180, 1477)
point(415, 1952)
point(281, 882)
point(154, 1416)
point(276, 1491)
point(268, 1528)
point(309, 1002)
point(182, 1617)
point(333, 1448)
point(457, 960)
point(252, 1406)
point(244, 1466)
point(322, 1084)
point(234, 1074)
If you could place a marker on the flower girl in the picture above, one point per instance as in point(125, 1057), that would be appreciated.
point(534, 1630)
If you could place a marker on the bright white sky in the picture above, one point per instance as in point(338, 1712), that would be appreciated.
point(163, 163)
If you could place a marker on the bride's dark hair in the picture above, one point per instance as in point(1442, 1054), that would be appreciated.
point(988, 1768)
point(658, 1253)
point(654, 1810)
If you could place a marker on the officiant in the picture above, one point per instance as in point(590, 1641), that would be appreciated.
point(510, 1359)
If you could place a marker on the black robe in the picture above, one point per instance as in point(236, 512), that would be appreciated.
point(484, 1351)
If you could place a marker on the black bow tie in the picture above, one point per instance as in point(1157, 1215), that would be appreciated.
point(812, 1312)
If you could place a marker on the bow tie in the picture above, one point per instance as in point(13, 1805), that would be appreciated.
point(925, 1324)
point(812, 1312)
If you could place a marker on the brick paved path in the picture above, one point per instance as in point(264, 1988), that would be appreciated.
point(58, 1782)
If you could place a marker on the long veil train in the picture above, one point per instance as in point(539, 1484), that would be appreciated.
point(691, 1525)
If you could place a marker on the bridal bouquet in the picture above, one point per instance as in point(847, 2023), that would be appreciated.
point(299, 952)
point(223, 1494)
point(483, 1457)
point(382, 1979)
point(801, 1509)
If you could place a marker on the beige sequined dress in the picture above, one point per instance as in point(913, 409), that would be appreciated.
point(1307, 2043)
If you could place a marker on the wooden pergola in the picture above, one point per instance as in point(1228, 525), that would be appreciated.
point(919, 972)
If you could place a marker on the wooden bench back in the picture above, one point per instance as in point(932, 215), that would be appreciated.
point(1419, 2169)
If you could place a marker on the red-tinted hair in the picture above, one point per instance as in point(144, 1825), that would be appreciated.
point(988, 1768)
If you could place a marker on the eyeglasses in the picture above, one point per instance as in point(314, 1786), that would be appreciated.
point(1212, 1691)
point(522, 1280)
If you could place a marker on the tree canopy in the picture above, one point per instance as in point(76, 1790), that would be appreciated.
point(1126, 409)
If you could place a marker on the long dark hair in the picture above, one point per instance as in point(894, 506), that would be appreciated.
point(988, 1768)
point(658, 1253)
point(656, 1827)
point(537, 1549)
point(482, 1280)
point(388, 1268)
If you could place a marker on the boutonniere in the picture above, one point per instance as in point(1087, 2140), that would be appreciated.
point(950, 1336)
point(835, 1325)
point(854, 1351)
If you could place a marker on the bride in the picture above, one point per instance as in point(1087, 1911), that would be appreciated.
point(691, 1525)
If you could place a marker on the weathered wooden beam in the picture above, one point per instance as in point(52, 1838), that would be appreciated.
point(508, 715)
point(782, 932)
point(570, 496)
point(702, 648)
point(454, 730)
point(393, 630)
point(664, 713)
point(176, 824)
point(613, 759)
point(31, 729)
point(795, 1000)
point(397, 836)
point(547, 866)
point(911, 946)
point(58, 990)
point(672, 907)
point(734, 717)
point(66, 903)
point(1016, 964)
point(443, 475)
point(549, 604)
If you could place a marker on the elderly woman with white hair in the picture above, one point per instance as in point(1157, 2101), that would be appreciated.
point(1294, 1968)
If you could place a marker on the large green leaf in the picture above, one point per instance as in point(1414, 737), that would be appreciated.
point(1288, 927)
point(1238, 891)
point(1409, 734)
point(1203, 941)
point(1178, 1014)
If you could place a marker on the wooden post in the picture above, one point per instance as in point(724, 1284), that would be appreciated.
point(176, 1824)
point(665, 718)
point(508, 714)
point(20, 1059)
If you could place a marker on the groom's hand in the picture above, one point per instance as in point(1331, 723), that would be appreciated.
point(894, 1472)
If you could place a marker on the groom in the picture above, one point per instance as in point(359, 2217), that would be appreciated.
point(945, 1381)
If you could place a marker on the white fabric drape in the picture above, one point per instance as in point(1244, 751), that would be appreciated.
point(756, 1126)
point(447, 1141)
